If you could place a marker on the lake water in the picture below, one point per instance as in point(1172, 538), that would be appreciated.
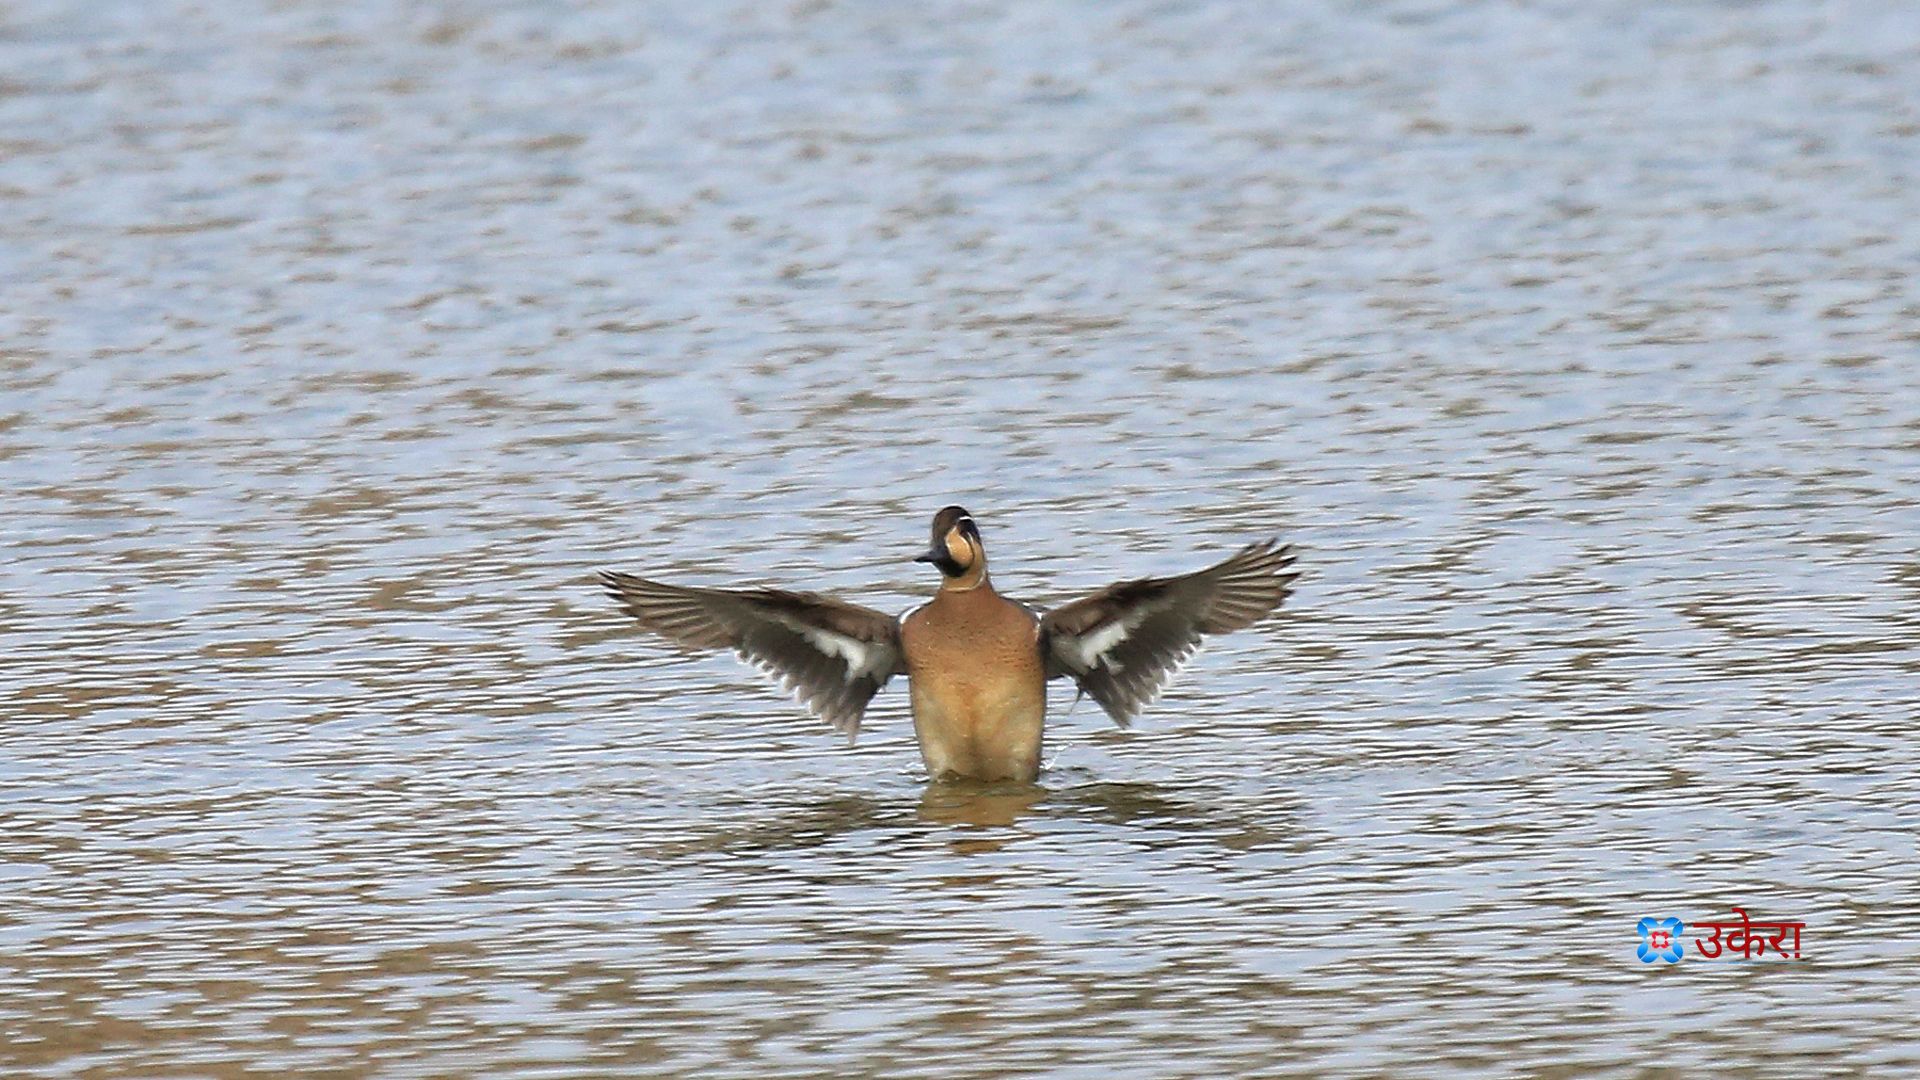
point(1577, 346)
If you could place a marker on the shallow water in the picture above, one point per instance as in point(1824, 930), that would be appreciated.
point(1574, 344)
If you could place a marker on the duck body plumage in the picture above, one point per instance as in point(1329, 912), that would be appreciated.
point(978, 684)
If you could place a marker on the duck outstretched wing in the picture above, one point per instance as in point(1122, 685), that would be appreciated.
point(1122, 644)
point(833, 655)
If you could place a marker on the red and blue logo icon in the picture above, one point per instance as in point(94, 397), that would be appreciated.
point(1660, 939)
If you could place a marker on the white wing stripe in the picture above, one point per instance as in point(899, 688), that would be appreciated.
point(862, 657)
point(1087, 649)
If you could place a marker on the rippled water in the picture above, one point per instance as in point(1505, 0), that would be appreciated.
point(1575, 345)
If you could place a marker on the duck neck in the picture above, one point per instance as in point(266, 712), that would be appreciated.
point(975, 577)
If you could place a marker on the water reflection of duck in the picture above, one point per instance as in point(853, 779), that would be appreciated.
point(977, 662)
point(977, 803)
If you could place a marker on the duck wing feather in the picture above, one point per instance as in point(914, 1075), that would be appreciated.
point(834, 656)
point(1124, 643)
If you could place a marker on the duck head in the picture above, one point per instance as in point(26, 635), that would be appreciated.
point(956, 550)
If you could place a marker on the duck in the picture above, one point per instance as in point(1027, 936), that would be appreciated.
point(977, 663)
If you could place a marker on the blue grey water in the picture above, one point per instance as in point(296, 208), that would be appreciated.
point(1577, 345)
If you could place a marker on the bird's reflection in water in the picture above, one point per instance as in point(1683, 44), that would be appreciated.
point(1161, 813)
point(972, 816)
point(788, 828)
point(971, 802)
point(1141, 804)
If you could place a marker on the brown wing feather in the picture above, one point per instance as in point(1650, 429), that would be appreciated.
point(1122, 644)
point(834, 655)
